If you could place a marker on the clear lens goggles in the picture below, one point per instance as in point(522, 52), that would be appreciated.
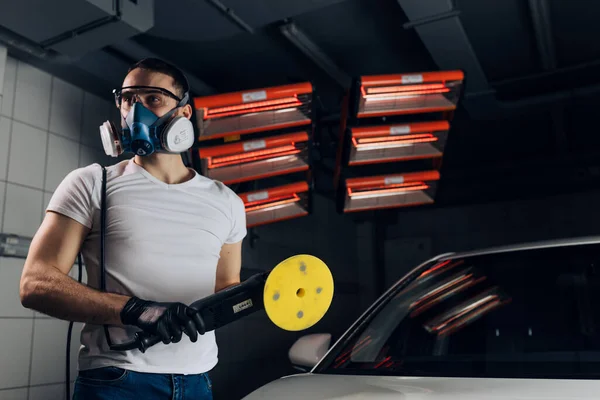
point(151, 97)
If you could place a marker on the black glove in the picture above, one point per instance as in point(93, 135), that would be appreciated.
point(167, 320)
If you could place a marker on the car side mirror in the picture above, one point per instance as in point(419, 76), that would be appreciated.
point(308, 350)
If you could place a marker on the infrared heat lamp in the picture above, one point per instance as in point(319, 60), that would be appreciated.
point(276, 204)
point(395, 143)
point(390, 191)
point(260, 110)
point(256, 159)
point(428, 92)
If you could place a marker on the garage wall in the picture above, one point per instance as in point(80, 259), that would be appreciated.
point(47, 128)
point(420, 234)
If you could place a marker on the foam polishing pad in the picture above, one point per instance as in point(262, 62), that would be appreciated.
point(298, 292)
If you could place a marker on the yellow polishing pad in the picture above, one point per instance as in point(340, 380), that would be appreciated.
point(298, 292)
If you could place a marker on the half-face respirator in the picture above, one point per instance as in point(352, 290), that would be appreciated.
point(142, 131)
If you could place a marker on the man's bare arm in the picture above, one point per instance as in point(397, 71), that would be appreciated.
point(46, 286)
point(229, 266)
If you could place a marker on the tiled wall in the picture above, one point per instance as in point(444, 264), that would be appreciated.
point(47, 128)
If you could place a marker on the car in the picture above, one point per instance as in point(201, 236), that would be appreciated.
point(514, 322)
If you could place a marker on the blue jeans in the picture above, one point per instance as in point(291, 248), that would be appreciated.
point(119, 384)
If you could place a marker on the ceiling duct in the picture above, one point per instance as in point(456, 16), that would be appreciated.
point(315, 54)
point(256, 159)
point(75, 27)
point(253, 111)
point(276, 204)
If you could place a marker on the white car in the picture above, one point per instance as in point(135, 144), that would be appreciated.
point(506, 323)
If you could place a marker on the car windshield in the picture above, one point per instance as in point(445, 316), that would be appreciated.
point(521, 314)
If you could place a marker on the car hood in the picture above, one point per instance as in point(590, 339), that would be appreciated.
point(349, 387)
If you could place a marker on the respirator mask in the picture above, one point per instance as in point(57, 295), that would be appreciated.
point(142, 131)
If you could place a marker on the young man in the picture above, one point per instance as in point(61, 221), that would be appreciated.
point(172, 237)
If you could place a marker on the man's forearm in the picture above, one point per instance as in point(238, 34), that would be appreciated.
point(224, 285)
point(59, 296)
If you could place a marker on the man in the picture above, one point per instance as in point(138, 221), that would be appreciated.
point(172, 237)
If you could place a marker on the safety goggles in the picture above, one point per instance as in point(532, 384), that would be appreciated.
point(150, 96)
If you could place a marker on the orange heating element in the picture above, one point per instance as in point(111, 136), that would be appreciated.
point(394, 184)
point(409, 84)
point(392, 135)
point(253, 150)
point(216, 162)
point(271, 203)
point(406, 139)
point(259, 106)
point(274, 197)
point(239, 103)
point(409, 90)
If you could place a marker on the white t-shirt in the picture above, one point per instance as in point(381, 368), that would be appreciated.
point(162, 243)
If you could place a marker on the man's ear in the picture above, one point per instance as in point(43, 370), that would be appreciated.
point(187, 111)
point(184, 111)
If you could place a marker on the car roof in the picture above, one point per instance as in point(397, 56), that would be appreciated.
point(586, 240)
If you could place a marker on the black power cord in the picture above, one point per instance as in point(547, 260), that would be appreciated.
point(69, 333)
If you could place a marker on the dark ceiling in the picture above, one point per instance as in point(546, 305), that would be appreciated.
point(526, 123)
point(359, 36)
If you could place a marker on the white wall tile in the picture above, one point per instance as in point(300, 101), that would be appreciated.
point(9, 81)
point(27, 155)
point(65, 109)
point(4, 145)
point(48, 392)
point(22, 210)
point(32, 96)
point(63, 157)
point(49, 340)
point(13, 394)
point(10, 277)
point(15, 348)
point(3, 58)
point(95, 111)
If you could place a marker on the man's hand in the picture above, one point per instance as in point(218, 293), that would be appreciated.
point(167, 320)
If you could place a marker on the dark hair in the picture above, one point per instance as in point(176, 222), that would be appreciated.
point(157, 65)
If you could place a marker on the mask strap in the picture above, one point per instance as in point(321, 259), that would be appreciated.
point(168, 115)
point(184, 100)
point(164, 118)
